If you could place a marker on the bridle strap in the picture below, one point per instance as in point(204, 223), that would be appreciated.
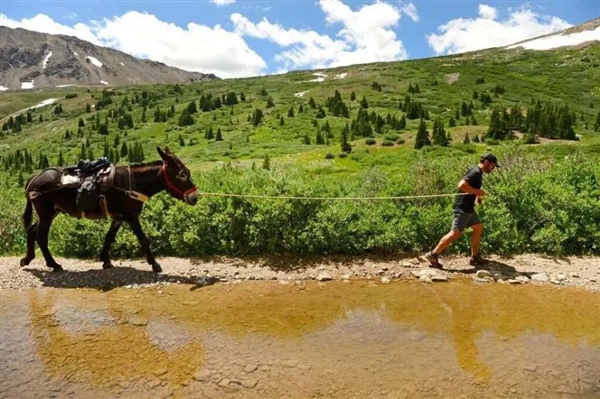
point(171, 188)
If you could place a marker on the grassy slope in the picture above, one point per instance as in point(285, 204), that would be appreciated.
point(568, 75)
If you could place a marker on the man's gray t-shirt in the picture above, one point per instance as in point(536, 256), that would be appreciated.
point(466, 203)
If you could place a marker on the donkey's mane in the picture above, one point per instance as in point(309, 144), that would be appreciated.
point(142, 166)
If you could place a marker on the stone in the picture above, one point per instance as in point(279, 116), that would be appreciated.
point(203, 375)
point(482, 274)
point(224, 382)
point(540, 277)
point(324, 277)
point(250, 367)
point(250, 383)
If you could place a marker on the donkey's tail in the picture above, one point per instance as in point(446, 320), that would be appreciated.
point(28, 214)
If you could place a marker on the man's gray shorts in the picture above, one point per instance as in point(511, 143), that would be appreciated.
point(462, 220)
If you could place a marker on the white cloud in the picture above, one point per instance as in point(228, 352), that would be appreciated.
point(223, 2)
point(463, 35)
point(195, 48)
point(366, 36)
point(411, 10)
point(487, 12)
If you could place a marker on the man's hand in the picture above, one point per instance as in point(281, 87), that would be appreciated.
point(465, 187)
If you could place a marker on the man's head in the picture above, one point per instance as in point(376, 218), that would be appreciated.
point(488, 162)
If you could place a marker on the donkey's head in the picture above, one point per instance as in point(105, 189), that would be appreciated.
point(178, 177)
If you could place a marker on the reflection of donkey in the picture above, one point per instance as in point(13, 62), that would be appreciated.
point(123, 200)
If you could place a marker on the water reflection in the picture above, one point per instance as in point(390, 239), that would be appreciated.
point(147, 338)
point(116, 352)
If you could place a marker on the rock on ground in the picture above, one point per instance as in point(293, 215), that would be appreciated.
point(581, 272)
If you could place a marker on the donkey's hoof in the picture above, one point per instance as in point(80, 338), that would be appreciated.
point(107, 265)
point(25, 262)
point(57, 268)
point(156, 268)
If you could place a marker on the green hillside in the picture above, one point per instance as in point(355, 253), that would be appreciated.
point(261, 135)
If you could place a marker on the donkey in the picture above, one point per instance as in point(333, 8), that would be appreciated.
point(124, 198)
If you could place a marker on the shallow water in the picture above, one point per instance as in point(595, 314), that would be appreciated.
point(265, 339)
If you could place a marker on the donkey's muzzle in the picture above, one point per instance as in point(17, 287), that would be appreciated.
point(192, 198)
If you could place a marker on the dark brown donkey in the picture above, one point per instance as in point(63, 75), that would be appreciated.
point(125, 195)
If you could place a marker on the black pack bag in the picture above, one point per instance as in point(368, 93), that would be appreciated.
point(88, 195)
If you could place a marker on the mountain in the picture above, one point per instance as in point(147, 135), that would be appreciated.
point(583, 34)
point(39, 60)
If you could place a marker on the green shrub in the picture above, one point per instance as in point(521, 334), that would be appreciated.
point(534, 205)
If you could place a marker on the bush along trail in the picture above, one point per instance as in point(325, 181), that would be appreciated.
point(550, 208)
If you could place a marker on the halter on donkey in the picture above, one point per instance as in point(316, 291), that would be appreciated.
point(124, 191)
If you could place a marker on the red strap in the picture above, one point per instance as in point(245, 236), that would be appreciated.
point(172, 188)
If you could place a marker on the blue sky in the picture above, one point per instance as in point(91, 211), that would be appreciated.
point(245, 38)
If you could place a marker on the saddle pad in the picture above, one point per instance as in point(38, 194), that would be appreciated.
point(67, 180)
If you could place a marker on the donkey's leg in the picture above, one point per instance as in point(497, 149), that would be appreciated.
point(31, 235)
point(108, 241)
point(42, 240)
point(134, 222)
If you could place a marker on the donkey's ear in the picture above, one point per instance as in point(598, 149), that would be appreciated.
point(167, 150)
point(162, 154)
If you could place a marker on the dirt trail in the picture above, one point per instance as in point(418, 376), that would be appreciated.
point(583, 272)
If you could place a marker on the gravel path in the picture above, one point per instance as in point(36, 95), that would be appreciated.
point(583, 272)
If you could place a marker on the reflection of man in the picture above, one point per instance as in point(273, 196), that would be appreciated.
point(464, 211)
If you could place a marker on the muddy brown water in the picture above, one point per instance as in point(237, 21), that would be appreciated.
point(264, 339)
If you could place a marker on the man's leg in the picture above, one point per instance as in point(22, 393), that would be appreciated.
point(475, 239)
point(477, 227)
point(459, 223)
point(446, 241)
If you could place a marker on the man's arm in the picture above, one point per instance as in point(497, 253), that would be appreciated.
point(465, 187)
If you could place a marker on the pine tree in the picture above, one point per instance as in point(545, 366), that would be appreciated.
point(290, 113)
point(209, 133)
point(364, 103)
point(266, 162)
point(466, 140)
point(439, 133)
point(402, 124)
point(41, 118)
point(597, 124)
point(306, 139)
point(422, 138)
point(123, 150)
point(344, 144)
point(192, 107)
point(61, 160)
point(219, 135)
point(257, 116)
point(186, 119)
point(353, 96)
point(451, 122)
point(181, 141)
point(270, 103)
